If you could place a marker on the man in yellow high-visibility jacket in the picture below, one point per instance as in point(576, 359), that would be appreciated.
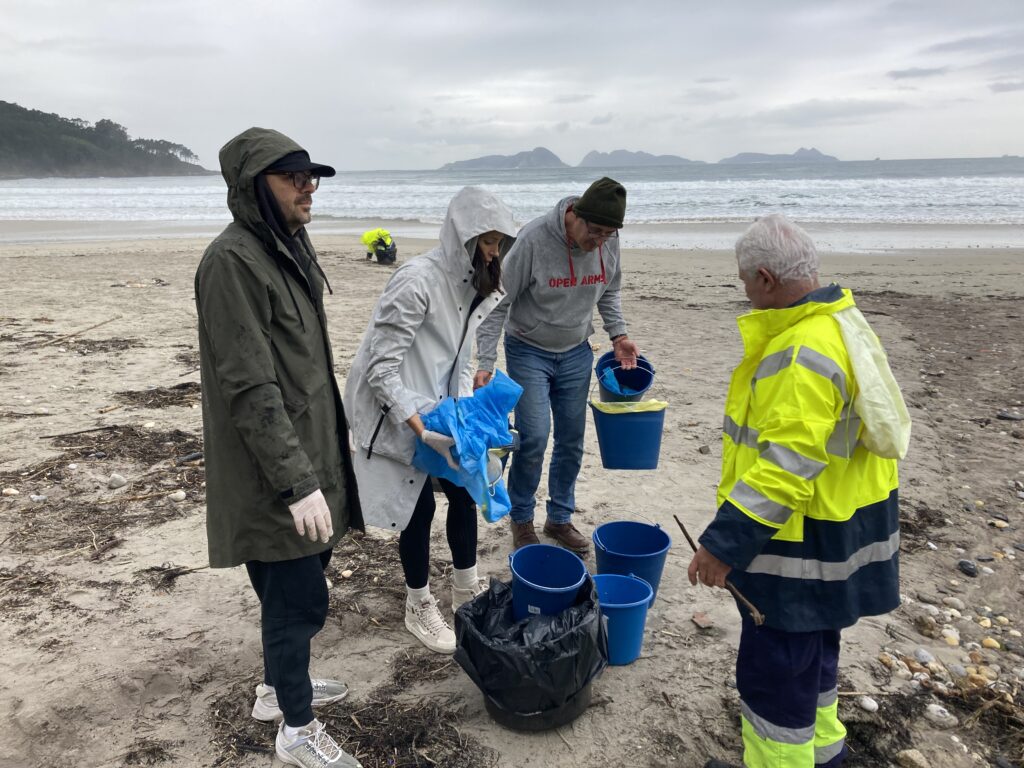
point(807, 526)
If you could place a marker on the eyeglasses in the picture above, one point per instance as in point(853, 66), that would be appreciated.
point(301, 178)
point(598, 234)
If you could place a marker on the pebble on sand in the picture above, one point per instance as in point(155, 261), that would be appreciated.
point(116, 481)
point(968, 568)
point(988, 642)
point(37, 497)
point(911, 758)
point(346, 574)
point(867, 704)
point(11, 492)
point(177, 496)
point(940, 716)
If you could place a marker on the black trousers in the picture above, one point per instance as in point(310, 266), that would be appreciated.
point(293, 600)
point(414, 543)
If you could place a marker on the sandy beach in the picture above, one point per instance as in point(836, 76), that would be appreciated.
point(120, 648)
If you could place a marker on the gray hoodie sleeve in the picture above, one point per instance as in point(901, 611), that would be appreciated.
point(515, 277)
point(610, 303)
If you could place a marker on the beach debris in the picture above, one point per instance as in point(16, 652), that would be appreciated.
point(705, 449)
point(164, 576)
point(38, 498)
point(933, 547)
point(177, 496)
point(116, 481)
point(1010, 416)
point(867, 704)
point(941, 717)
point(702, 620)
point(11, 492)
point(968, 568)
point(911, 758)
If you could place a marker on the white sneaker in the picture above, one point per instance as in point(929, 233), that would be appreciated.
point(266, 708)
point(426, 622)
point(312, 747)
point(460, 595)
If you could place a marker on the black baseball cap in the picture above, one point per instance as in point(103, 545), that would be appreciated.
point(299, 161)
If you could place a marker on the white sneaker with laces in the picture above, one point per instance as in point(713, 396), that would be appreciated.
point(266, 708)
point(312, 747)
point(460, 595)
point(426, 622)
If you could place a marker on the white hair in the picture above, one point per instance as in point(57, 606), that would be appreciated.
point(780, 246)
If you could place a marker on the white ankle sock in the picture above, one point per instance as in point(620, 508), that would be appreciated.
point(290, 733)
point(417, 596)
point(466, 578)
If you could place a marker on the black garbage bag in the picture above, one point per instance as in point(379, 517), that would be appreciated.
point(534, 673)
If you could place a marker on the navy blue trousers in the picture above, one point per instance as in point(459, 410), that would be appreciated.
point(293, 602)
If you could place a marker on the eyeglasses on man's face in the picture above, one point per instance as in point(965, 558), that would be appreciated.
point(301, 178)
point(600, 234)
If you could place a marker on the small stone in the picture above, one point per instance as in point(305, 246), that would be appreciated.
point(954, 602)
point(328, 582)
point(149, 425)
point(177, 496)
point(931, 610)
point(887, 660)
point(346, 574)
point(1013, 632)
point(988, 642)
point(702, 620)
point(37, 497)
point(931, 546)
point(940, 716)
point(999, 523)
point(988, 673)
point(976, 680)
point(985, 622)
point(954, 613)
point(11, 492)
point(957, 670)
point(705, 449)
point(976, 657)
point(951, 636)
point(968, 568)
point(926, 597)
point(924, 656)
point(911, 758)
point(986, 570)
point(867, 704)
point(984, 558)
point(72, 466)
point(116, 481)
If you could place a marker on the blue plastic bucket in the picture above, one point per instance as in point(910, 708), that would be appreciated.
point(545, 580)
point(624, 600)
point(626, 547)
point(629, 440)
point(638, 379)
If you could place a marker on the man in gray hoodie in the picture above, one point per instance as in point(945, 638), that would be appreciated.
point(561, 266)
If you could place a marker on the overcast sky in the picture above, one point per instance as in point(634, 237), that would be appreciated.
point(404, 85)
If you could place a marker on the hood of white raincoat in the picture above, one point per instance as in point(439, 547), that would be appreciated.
point(473, 212)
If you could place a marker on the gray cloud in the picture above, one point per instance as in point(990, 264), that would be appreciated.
point(708, 95)
point(572, 98)
point(980, 43)
point(602, 119)
point(711, 80)
point(818, 112)
point(1006, 87)
point(914, 72)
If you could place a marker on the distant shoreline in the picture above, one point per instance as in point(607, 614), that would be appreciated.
point(712, 236)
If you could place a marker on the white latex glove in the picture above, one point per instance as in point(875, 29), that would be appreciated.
point(312, 517)
point(442, 444)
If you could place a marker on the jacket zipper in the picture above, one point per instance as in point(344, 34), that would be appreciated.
point(380, 423)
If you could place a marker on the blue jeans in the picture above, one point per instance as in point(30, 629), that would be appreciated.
point(554, 384)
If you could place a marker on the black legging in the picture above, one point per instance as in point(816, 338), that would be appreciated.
point(414, 543)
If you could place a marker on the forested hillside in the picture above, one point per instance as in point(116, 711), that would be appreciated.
point(34, 144)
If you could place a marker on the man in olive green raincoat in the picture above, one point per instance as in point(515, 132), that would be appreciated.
point(280, 489)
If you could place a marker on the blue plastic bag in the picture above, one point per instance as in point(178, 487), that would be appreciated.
point(478, 424)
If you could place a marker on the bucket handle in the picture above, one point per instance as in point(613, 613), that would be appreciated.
point(597, 379)
point(651, 598)
point(639, 364)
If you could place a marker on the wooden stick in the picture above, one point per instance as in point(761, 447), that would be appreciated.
point(80, 431)
point(67, 336)
point(755, 614)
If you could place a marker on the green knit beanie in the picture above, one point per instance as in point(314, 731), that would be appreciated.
point(603, 203)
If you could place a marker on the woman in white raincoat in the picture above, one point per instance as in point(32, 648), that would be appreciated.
point(417, 351)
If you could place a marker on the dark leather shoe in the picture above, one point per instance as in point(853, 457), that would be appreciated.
point(567, 535)
point(523, 534)
point(719, 764)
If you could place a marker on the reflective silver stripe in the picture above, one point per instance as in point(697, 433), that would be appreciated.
point(791, 461)
point(740, 435)
point(823, 754)
point(843, 439)
point(828, 698)
point(759, 504)
point(772, 364)
point(798, 568)
point(776, 733)
point(823, 366)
